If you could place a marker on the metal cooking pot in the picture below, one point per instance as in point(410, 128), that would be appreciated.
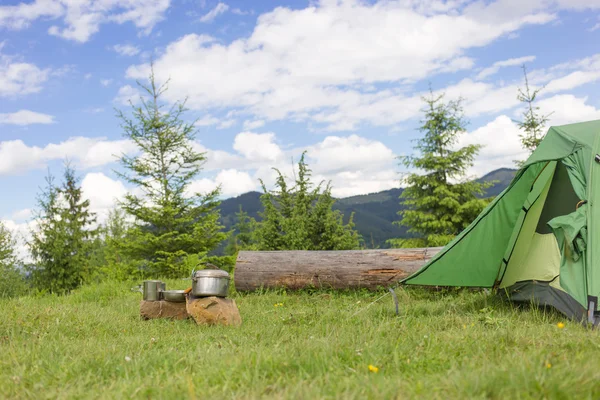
point(175, 296)
point(210, 282)
point(151, 290)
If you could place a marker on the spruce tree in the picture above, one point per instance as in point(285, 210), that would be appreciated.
point(441, 201)
point(301, 217)
point(171, 224)
point(533, 122)
point(60, 244)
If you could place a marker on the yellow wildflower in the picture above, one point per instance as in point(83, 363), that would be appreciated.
point(548, 365)
point(560, 325)
point(373, 368)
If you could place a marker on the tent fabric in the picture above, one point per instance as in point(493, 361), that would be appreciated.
point(537, 230)
point(571, 234)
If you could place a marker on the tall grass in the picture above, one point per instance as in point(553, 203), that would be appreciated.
point(458, 344)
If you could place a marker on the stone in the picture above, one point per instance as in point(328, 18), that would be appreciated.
point(163, 309)
point(213, 311)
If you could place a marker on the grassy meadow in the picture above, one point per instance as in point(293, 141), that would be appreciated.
point(458, 344)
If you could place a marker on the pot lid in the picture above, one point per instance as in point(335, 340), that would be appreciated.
point(210, 273)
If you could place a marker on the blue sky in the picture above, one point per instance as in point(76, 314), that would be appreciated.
point(267, 80)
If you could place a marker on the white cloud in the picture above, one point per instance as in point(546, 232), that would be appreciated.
point(22, 215)
point(572, 81)
point(249, 125)
point(337, 154)
point(103, 192)
point(238, 11)
point(207, 120)
point(501, 140)
point(283, 70)
point(81, 19)
point(127, 94)
point(17, 157)
point(105, 82)
point(214, 13)
point(501, 145)
point(126, 49)
point(354, 164)
point(21, 233)
point(257, 147)
point(226, 124)
point(19, 78)
point(567, 109)
point(232, 182)
point(489, 71)
point(26, 117)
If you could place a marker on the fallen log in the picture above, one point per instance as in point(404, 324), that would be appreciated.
point(327, 269)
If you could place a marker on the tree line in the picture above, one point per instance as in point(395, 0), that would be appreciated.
point(162, 229)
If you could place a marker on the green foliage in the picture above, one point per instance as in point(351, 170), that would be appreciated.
point(244, 237)
point(109, 258)
point(533, 122)
point(301, 217)
point(171, 224)
point(12, 282)
point(61, 243)
point(441, 202)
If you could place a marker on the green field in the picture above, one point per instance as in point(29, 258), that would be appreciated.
point(459, 344)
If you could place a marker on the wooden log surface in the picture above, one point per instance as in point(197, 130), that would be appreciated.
point(327, 269)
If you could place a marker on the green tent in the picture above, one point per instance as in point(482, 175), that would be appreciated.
point(536, 241)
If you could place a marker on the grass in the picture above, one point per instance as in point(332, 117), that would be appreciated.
point(458, 344)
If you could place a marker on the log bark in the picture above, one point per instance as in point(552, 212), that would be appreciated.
point(327, 269)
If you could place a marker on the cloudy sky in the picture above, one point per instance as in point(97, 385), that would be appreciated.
point(267, 80)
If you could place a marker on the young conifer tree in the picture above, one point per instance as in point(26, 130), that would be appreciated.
point(60, 244)
point(302, 217)
point(533, 123)
point(440, 199)
point(171, 223)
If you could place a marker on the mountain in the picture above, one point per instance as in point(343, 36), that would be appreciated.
point(374, 213)
point(502, 176)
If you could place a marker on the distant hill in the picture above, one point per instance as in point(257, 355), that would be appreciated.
point(374, 213)
point(503, 176)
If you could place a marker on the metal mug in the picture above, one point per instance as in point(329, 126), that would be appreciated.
point(152, 290)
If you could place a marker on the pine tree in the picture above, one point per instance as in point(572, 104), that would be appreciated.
point(60, 245)
point(302, 217)
point(441, 202)
point(12, 282)
point(171, 224)
point(533, 122)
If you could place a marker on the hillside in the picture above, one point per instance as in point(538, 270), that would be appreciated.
point(374, 213)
